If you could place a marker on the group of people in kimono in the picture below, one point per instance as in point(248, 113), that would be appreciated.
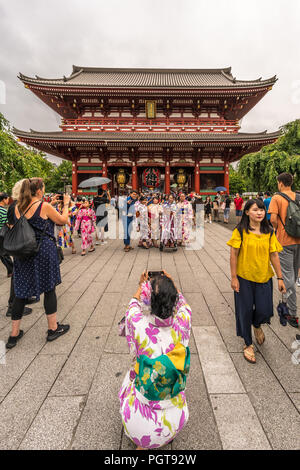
point(160, 220)
point(164, 222)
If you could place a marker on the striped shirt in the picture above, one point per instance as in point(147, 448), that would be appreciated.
point(3, 216)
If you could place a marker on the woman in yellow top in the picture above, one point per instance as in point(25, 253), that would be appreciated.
point(253, 247)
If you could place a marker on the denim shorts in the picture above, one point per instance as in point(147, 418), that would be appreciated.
point(226, 212)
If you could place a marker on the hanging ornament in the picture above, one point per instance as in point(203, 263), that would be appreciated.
point(151, 177)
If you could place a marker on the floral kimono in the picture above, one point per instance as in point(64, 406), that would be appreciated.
point(65, 233)
point(168, 234)
point(152, 397)
point(86, 218)
point(184, 220)
point(142, 220)
point(155, 211)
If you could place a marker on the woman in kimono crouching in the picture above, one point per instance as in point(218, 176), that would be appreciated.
point(153, 404)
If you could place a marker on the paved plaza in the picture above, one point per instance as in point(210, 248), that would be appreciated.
point(64, 394)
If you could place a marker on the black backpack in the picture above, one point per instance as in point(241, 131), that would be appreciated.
point(292, 221)
point(20, 240)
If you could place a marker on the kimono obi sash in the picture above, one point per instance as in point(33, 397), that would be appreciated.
point(165, 376)
point(86, 217)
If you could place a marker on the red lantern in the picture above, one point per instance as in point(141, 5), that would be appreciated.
point(151, 177)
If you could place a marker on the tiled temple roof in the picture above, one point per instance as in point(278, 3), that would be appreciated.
point(149, 78)
point(146, 137)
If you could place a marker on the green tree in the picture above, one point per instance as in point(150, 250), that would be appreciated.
point(236, 181)
point(56, 182)
point(19, 161)
point(260, 169)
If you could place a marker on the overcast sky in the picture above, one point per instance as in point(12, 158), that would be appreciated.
point(257, 38)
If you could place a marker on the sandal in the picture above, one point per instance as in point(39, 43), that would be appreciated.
point(91, 251)
point(83, 253)
point(259, 335)
point(249, 354)
point(126, 249)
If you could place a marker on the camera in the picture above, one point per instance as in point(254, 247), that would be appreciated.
point(152, 274)
point(60, 196)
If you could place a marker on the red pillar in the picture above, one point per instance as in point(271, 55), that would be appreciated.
point(104, 174)
point(197, 178)
point(135, 182)
point(167, 178)
point(74, 178)
point(226, 175)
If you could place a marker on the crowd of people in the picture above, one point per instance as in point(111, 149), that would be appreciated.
point(167, 221)
point(157, 323)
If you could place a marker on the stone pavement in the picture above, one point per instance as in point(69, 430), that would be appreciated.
point(64, 395)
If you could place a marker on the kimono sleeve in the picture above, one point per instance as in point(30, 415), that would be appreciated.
point(183, 318)
point(93, 216)
point(78, 219)
point(133, 315)
point(275, 246)
point(235, 240)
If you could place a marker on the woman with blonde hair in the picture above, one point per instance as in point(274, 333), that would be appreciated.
point(40, 273)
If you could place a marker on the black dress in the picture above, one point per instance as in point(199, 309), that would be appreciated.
point(207, 208)
point(40, 273)
point(101, 213)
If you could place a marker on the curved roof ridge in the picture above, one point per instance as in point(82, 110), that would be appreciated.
point(267, 80)
point(22, 77)
point(228, 75)
point(77, 69)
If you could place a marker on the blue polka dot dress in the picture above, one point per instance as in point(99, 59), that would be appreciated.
point(40, 273)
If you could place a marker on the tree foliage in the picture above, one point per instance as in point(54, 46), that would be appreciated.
point(237, 183)
point(18, 161)
point(259, 170)
point(56, 182)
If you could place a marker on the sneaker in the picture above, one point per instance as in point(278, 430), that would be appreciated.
point(97, 243)
point(293, 321)
point(27, 311)
point(60, 330)
point(12, 340)
point(298, 282)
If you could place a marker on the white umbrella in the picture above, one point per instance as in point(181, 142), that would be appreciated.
point(93, 182)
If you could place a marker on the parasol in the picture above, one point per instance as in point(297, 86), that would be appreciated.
point(93, 182)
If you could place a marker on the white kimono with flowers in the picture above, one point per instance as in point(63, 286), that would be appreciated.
point(168, 223)
point(152, 424)
point(142, 221)
point(184, 221)
point(155, 211)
